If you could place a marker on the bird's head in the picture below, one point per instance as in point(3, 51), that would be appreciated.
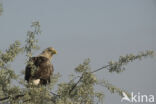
point(49, 52)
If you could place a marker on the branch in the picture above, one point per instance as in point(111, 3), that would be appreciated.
point(4, 98)
point(117, 66)
point(55, 94)
point(75, 84)
point(16, 97)
point(82, 77)
point(26, 100)
point(21, 95)
point(100, 68)
point(112, 88)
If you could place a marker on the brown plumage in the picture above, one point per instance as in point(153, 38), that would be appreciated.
point(44, 67)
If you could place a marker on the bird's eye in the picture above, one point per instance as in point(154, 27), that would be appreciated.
point(49, 50)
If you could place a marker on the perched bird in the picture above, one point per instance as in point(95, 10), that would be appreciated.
point(44, 68)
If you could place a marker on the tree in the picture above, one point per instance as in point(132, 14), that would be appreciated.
point(81, 89)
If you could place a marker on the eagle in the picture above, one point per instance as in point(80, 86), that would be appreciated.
point(44, 68)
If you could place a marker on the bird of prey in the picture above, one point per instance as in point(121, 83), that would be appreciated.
point(44, 68)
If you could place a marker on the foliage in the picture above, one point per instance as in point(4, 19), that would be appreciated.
point(1, 8)
point(81, 89)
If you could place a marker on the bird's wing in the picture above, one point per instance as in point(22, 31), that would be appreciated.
point(27, 72)
point(37, 61)
point(45, 68)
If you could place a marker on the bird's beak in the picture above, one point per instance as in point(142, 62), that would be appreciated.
point(54, 51)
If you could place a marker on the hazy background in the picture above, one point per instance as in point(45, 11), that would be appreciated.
point(101, 30)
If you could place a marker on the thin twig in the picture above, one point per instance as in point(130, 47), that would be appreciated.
point(75, 84)
point(16, 97)
point(4, 98)
point(55, 94)
point(82, 77)
point(100, 68)
point(27, 100)
point(21, 95)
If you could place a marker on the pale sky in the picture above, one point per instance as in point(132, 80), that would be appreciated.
point(101, 30)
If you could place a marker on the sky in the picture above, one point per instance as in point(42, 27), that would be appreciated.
point(101, 30)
